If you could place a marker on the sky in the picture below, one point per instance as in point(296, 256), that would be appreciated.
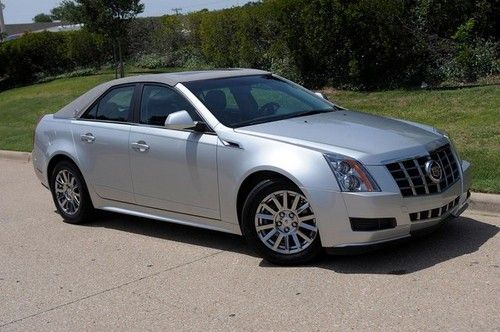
point(23, 11)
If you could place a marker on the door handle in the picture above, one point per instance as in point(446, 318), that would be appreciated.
point(88, 137)
point(140, 146)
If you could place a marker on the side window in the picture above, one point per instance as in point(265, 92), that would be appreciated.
point(159, 101)
point(113, 106)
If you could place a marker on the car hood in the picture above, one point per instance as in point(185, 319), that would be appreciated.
point(366, 137)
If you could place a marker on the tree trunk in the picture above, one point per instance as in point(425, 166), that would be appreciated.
point(122, 69)
point(115, 67)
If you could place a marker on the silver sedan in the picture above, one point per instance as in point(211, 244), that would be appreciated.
point(248, 152)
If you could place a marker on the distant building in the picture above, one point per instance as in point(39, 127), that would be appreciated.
point(14, 31)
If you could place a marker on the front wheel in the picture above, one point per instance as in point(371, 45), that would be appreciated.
point(70, 193)
point(279, 222)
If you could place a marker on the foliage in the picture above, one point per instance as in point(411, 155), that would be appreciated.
point(361, 44)
point(42, 18)
point(36, 55)
point(67, 11)
point(108, 18)
point(152, 61)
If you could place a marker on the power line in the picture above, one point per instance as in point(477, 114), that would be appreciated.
point(201, 5)
point(177, 11)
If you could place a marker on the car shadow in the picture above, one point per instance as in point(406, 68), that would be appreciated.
point(456, 238)
point(172, 232)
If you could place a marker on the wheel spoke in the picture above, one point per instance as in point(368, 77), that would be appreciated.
point(65, 176)
point(278, 205)
point(302, 235)
point(296, 240)
point(308, 227)
point(287, 242)
point(268, 235)
point(285, 200)
point(303, 207)
point(306, 218)
point(265, 206)
point(278, 241)
point(264, 227)
point(295, 203)
point(264, 216)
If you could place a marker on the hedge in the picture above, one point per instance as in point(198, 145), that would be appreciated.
point(360, 44)
point(37, 55)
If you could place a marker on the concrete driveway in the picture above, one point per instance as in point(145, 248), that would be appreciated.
point(126, 273)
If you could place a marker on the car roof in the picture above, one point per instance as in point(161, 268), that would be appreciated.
point(76, 107)
point(189, 76)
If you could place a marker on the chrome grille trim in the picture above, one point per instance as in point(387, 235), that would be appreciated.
point(412, 179)
point(421, 175)
point(434, 213)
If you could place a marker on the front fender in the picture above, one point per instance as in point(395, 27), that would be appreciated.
point(306, 168)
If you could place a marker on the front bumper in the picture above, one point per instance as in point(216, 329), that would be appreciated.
point(344, 207)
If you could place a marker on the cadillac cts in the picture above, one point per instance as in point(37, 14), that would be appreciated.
point(248, 152)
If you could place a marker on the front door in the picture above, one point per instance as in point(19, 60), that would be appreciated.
point(172, 170)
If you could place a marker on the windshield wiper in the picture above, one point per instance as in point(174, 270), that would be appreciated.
point(311, 112)
point(278, 118)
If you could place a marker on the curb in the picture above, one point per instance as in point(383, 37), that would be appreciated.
point(478, 201)
point(485, 202)
point(15, 155)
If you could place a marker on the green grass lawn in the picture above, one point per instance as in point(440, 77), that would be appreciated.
point(470, 115)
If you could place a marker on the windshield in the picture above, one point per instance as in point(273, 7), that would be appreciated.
point(248, 100)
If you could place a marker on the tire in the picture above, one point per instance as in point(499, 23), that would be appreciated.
point(291, 224)
point(70, 193)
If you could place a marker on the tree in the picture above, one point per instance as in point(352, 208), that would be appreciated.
point(42, 18)
point(109, 18)
point(67, 11)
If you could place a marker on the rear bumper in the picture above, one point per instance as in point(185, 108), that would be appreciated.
point(336, 211)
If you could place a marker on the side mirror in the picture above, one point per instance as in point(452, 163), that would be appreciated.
point(179, 120)
point(317, 93)
point(182, 120)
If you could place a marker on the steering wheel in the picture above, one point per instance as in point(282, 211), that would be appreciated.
point(269, 108)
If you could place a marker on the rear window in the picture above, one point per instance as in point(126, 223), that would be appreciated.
point(115, 105)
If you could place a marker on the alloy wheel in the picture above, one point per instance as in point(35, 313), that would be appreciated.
point(68, 192)
point(285, 222)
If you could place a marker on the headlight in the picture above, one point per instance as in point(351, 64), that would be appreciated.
point(350, 174)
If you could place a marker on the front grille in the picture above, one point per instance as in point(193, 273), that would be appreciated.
point(434, 213)
point(412, 179)
point(372, 224)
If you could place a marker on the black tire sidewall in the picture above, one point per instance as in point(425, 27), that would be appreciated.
point(262, 190)
point(86, 207)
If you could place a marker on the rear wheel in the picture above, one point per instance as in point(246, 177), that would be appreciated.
point(70, 194)
point(279, 221)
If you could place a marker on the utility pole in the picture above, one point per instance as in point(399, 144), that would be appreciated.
point(2, 22)
point(177, 11)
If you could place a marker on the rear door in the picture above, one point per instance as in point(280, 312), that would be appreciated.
point(175, 170)
point(101, 138)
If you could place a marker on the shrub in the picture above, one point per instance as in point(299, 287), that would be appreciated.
point(152, 61)
point(46, 54)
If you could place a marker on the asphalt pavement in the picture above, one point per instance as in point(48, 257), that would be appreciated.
point(127, 273)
